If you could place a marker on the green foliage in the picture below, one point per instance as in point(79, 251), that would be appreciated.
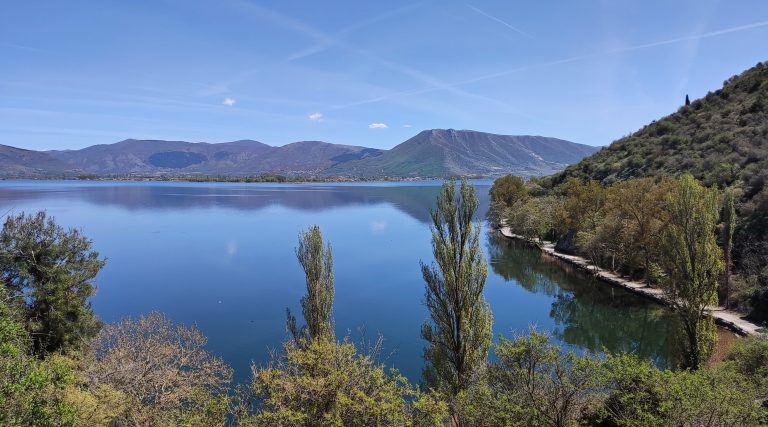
point(536, 218)
point(484, 405)
point(635, 217)
point(729, 227)
point(429, 409)
point(583, 205)
point(331, 384)
point(534, 383)
point(642, 396)
point(317, 305)
point(459, 334)
point(509, 190)
point(693, 262)
point(636, 226)
point(548, 388)
point(722, 140)
point(749, 357)
point(31, 390)
point(48, 272)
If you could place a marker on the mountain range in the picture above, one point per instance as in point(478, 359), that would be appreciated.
point(429, 154)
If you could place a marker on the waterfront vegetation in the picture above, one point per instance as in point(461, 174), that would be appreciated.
point(663, 231)
point(722, 140)
point(60, 366)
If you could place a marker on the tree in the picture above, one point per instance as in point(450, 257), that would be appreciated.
point(693, 263)
point(317, 305)
point(550, 388)
point(643, 396)
point(318, 381)
point(459, 334)
point(583, 208)
point(48, 271)
point(324, 383)
point(162, 369)
point(729, 226)
point(535, 218)
point(31, 390)
point(508, 190)
point(639, 205)
point(687, 100)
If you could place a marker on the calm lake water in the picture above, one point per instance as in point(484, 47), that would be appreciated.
point(221, 256)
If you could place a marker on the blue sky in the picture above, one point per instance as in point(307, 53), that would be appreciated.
point(77, 73)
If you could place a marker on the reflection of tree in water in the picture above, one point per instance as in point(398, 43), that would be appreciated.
point(516, 261)
point(413, 199)
point(588, 314)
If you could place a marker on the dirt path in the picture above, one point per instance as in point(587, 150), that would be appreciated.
point(727, 318)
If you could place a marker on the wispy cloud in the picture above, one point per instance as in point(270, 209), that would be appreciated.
point(327, 43)
point(377, 126)
point(500, 21)
point(224, 86)
point(616, 51)
point(229, 102)
point(91, 97)
point(407, 126)
point(20, 47)
point(691, 48)
point(231, 248)
point(316, 117)
point(378, 227)
point(502, 73)
point(320, 37)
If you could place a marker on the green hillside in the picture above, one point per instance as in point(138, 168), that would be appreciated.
point(722, 139)
point(450, 152)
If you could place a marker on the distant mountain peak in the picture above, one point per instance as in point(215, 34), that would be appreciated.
point(430, 153)
point(451, 152)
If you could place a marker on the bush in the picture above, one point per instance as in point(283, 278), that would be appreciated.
point(325, 383)
point(643, 396)
point(162, 369)
point(31, 391)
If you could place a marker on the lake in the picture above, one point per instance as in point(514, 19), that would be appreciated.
point(221, 256)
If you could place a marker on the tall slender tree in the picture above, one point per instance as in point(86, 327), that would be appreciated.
point(459, 333)
point(693, 262)
point(729, 226)
point(317, 305)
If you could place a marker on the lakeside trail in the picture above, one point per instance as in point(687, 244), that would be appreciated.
point(726, 318)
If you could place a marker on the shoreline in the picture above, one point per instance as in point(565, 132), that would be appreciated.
point(725, 318)
point(244, 179)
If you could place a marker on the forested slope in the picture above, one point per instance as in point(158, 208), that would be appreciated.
point(722, 140)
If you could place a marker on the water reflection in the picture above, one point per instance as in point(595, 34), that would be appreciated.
point(414, 199)
point(222, 256)
point(587, 314)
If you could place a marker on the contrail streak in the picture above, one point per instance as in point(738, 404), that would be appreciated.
point(504, 23)
point(558, 62)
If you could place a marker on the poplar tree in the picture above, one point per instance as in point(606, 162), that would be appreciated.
point(729, 226)
point(317, 305)
point(693, 262)
point(459, 333)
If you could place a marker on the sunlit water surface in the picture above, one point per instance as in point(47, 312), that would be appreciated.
point(221, 256)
